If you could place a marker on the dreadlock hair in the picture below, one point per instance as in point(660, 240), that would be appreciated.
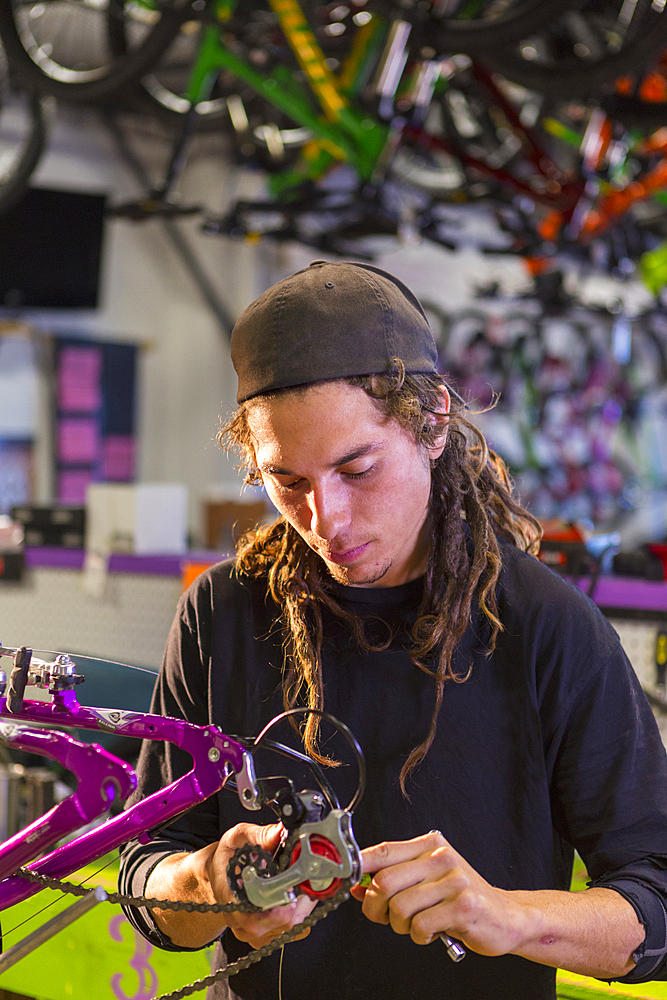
point(471, 507)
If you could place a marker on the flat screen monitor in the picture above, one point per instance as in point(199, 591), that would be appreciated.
point(51, 250)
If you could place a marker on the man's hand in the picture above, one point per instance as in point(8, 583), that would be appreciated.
point(423, 887)
point(201, 877)
point(256, 929)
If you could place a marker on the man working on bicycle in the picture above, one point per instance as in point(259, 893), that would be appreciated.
point(492, 700)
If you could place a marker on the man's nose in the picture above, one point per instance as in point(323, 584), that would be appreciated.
point(329, 512)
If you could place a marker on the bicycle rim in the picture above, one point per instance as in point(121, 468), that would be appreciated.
point(232, 105)
point(61, 47)
point(587, 48)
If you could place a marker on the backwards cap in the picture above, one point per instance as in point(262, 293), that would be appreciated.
point(328, 321)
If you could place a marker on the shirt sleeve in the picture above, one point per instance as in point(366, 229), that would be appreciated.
point(610, 794)
point(637, 884)
point(180, 692)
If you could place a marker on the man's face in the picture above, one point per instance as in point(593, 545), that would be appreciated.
point(354, 485)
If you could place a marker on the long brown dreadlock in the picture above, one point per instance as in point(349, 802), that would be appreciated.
point(471, 507)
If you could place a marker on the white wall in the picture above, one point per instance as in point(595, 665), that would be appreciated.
point(148, 297)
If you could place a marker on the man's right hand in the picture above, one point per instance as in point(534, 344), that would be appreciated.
point(256, 929)
point(201, 877)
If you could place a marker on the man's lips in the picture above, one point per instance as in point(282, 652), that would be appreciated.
point(348, 555)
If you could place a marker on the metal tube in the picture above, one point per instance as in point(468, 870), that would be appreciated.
point(51, 927)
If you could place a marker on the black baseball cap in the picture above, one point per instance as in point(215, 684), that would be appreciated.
point(328, 321)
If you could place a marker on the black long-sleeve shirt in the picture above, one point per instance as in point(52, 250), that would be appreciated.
point(547, 747)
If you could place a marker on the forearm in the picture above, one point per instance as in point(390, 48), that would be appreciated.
point(423, 887)
point(185, 877)
point(592, 933)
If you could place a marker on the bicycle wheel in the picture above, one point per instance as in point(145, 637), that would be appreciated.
point(60, 47)
point(467, 148)
point(478, 26)
point(232, 106)
point(23, 132)
point(587, 48)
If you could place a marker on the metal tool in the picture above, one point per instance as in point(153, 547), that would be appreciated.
point(455, 949)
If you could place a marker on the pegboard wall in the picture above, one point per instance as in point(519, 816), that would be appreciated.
point(52, 610)
point(638, 639)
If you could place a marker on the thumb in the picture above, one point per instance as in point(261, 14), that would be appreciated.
point(270, 836)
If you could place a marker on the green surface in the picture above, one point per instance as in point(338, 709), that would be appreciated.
point(101, 956)
point(98, 957)
point(571, 987)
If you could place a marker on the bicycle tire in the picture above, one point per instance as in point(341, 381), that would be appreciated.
point(479, 35)
point(33, 65)
point(160, 94)
point(572, 77)
point(20, 159)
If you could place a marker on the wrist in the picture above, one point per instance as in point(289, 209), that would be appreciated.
point(526, 923)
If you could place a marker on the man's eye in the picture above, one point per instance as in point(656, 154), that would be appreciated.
point(359, 475)
point(293, 485)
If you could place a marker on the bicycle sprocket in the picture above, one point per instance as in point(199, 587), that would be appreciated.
point(249, 854)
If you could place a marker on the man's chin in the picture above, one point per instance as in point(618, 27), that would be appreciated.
point(357, 576)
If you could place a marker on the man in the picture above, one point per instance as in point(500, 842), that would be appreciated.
point(493, 702)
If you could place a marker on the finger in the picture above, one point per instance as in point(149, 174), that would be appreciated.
point(358, 892)
point(395, 894)
point(304, 934)
point(389, 853)
point(267, 837)
point(258, 929)
point(423, 910)
point(426, 867)
point(447, 921)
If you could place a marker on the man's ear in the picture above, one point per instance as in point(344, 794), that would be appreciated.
point(440, 417)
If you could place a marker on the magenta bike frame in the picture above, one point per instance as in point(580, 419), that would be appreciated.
point(215, 758)
point(106, 778)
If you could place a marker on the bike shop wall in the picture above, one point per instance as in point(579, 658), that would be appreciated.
point(148, 296)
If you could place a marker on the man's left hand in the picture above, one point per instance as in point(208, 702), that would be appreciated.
point(422, 887)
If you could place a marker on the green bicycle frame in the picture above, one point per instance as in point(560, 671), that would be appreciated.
point(341, 132)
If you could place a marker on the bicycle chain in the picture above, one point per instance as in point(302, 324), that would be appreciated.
point(256, 955)
point(149, 903)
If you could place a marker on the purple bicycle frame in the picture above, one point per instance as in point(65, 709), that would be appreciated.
point(215, 757)
point(106, 778)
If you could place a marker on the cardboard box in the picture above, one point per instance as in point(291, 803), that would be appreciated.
point(226, 520)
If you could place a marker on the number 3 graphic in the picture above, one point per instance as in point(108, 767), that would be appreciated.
point(146, 974)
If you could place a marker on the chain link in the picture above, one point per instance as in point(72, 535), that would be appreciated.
point(148, 902)
point(256, 955)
